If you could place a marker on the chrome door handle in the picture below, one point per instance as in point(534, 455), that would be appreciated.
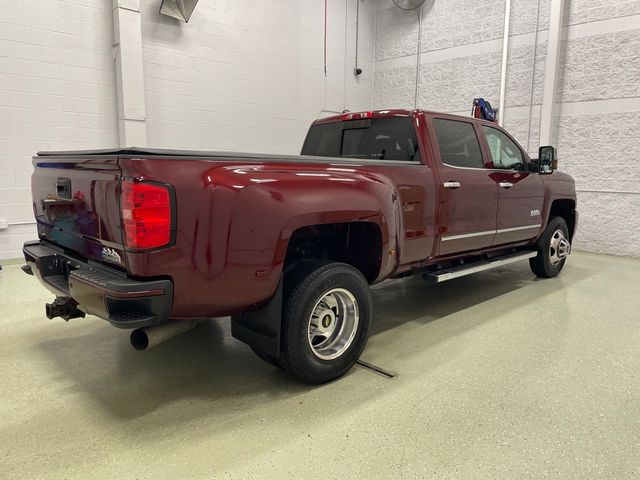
point(506, 184)
point(452, 184)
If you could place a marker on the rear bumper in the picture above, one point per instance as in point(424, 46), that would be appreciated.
point(99, 290)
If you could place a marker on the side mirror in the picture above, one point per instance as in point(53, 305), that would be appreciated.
point(547, 159)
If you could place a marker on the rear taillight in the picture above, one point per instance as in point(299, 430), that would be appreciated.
point(146, 214)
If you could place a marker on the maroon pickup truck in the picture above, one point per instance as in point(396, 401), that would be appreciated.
point(157, 240)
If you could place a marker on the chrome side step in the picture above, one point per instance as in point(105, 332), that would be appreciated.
point(455, 272)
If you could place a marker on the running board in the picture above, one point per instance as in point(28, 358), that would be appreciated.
point(455, 272)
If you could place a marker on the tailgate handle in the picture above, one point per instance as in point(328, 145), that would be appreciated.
point(63, 188)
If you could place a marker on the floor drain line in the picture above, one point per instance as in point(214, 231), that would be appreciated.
point(376, 369)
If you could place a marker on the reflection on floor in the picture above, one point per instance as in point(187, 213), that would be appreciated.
point(498, 375)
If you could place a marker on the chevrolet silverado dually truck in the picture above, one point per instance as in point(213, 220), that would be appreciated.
point(158, 240)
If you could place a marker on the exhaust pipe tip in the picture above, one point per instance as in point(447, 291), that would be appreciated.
point(139, 339)
point(149, 337)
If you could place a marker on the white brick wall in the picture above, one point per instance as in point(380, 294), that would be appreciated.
point(599, 77)
point(56, 92)
point(239, 76)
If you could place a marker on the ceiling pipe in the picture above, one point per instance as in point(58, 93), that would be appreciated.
point(418, 56)
point(505, 54)
point(356, 69)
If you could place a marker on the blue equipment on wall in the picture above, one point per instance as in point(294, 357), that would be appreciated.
point(482, 109)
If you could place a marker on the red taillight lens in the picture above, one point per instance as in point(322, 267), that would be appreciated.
point(146, 214)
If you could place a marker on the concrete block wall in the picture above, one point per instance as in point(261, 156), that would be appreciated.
point(56, 92)
point(460, 59)
point(598, 127)
point(599, 91)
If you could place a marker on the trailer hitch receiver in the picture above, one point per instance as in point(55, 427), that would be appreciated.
point(62, 307)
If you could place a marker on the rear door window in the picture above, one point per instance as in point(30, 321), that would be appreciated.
point(375, 139)
point(458, 143)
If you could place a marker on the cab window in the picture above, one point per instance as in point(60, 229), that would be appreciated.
point(458, 143)
point(505, 153)
point(374, 139)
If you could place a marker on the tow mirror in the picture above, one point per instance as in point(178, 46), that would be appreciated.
point(547, 159)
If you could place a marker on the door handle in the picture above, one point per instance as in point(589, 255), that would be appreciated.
point(506, 184)
point(452, 184)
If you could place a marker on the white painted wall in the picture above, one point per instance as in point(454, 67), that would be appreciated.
point(244, 76)
point(249, 75)
point(598, 125)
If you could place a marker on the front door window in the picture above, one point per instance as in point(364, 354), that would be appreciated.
point(505, 154)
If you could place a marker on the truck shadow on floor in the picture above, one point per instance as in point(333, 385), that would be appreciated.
point(206, 372)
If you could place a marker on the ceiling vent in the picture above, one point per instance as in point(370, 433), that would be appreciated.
point(180, 9)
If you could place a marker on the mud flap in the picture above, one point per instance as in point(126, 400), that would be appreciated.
point(261, 329)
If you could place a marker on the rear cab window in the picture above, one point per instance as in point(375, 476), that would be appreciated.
point(458, 143)
point(383, 139)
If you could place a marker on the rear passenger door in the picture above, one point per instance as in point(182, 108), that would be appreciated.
point(468, 195)
point(520, 193)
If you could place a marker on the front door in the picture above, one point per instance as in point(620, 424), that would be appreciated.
point(520, 193)
point(468, 199)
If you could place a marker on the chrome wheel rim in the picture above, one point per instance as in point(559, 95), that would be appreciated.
point(333, 324)
point(559, 247)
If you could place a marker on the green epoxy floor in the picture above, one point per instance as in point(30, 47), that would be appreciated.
point(500, 375)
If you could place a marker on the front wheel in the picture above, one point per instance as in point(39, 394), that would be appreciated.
point(326, 321)
point(553, 249)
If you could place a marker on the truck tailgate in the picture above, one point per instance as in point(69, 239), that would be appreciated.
point(76, 204)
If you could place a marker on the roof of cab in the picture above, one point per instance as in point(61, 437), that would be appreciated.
point(398, 112)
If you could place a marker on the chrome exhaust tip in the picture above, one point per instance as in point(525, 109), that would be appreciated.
point(144, 338)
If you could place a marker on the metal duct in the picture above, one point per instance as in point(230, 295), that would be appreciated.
point(180, 9)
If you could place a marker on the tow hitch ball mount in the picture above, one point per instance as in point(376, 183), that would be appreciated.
point(62, 307)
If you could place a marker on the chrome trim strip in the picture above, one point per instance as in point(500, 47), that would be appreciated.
point(515, 229)
point(489, 232)
point(485, 169)
point(468, 235)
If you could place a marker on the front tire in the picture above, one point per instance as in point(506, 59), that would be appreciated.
point(326, 320)
point(553, 248)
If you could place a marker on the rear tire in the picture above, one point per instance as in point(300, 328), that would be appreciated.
point(326, 320)
point(553, 248)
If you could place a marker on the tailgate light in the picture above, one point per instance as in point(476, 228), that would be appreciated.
point(146, 214)
point(357, 116)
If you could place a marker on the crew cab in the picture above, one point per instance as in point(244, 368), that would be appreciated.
point(157, 240)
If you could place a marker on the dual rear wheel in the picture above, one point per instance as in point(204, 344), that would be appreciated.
point(325, 324)
point(327, 310)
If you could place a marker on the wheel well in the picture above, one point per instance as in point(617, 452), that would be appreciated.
point(565, 209)
point(358, 244)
